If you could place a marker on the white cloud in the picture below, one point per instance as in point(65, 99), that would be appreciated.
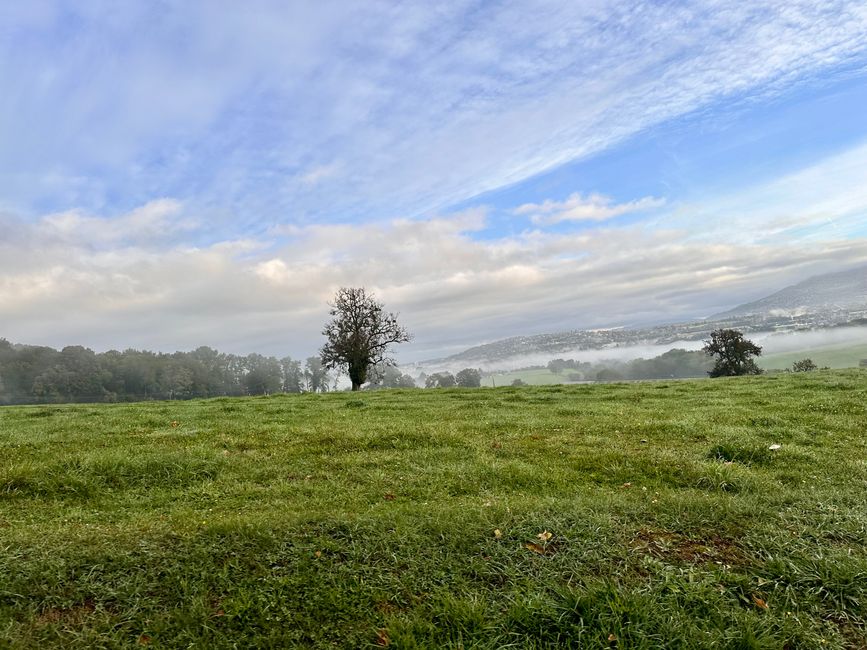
point(153, 222)
point(577, 207)
point(453, 286)
point(827, 199)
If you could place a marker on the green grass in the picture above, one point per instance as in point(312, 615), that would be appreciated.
point(832, 356)
point(357, 520)
point(535, 377)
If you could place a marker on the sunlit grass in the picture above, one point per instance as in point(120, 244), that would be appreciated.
point(368, 519)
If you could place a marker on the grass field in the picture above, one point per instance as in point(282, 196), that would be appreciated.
point(831, 356)
point(535, 377)
point(642, 515)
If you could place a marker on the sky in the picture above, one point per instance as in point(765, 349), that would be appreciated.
point(176, 174)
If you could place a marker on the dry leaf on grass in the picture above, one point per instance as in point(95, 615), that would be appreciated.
point(498, 533)
point(382, 639)
point(544, 535)
point(761, 604)
point(535, 548)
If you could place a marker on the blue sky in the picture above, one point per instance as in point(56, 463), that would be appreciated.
point(175, 174)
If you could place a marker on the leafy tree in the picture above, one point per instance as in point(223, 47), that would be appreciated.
point(264, 375)
point(316, 375)
point(804, 365)
point(440, 380)
point(293, 375)
point(734, 354)
point(359, 335)
point(469, 378)
point(518, 382)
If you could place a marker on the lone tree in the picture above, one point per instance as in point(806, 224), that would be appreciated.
point(804, 365)
point(359, 334)
point(469, 378)
point(734, 354)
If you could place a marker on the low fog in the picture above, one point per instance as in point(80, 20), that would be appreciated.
point(771, 342)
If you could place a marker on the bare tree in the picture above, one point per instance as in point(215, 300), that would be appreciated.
point(359, 335)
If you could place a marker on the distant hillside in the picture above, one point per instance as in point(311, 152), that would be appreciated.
point(818, 302)
point(845, 290)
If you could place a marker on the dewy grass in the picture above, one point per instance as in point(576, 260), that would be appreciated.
point(416, 519)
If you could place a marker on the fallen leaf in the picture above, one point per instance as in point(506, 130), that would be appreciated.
point(535, 548)
point(626, 485)
point(318, 554)
point(219, 612)
point(175, 424)
point(388, 496)
point(497, 533)
point(761, 604)
point(612, 638)
point(382, 639)
point(544, 535)
point(144, 639)
point(774, 447)
point(496, 445)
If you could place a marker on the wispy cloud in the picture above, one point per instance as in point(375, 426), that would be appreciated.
point(424, 105)
point(594, 207)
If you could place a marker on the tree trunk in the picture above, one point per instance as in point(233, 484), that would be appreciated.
point(356, 386)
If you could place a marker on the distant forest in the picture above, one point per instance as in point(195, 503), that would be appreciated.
point(35, 374)
point(674, 364)
point(40, 375)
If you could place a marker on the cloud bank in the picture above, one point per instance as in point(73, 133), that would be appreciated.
point(129, 282)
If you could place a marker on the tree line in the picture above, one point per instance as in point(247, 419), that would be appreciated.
point(39, 374)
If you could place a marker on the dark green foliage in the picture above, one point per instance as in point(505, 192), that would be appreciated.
point(733, 354)
point(30, 374)
point(804, 365)
point(469, 378)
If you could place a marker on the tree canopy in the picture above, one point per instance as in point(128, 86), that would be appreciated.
point(38, 374)
point(359, 335)
point(733, 354)
point(469, 378)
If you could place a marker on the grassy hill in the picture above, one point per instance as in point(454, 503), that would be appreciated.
point(844, 355)
point(640, 515)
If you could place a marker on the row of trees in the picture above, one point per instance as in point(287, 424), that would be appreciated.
point(677, 364)
point(43, 374)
